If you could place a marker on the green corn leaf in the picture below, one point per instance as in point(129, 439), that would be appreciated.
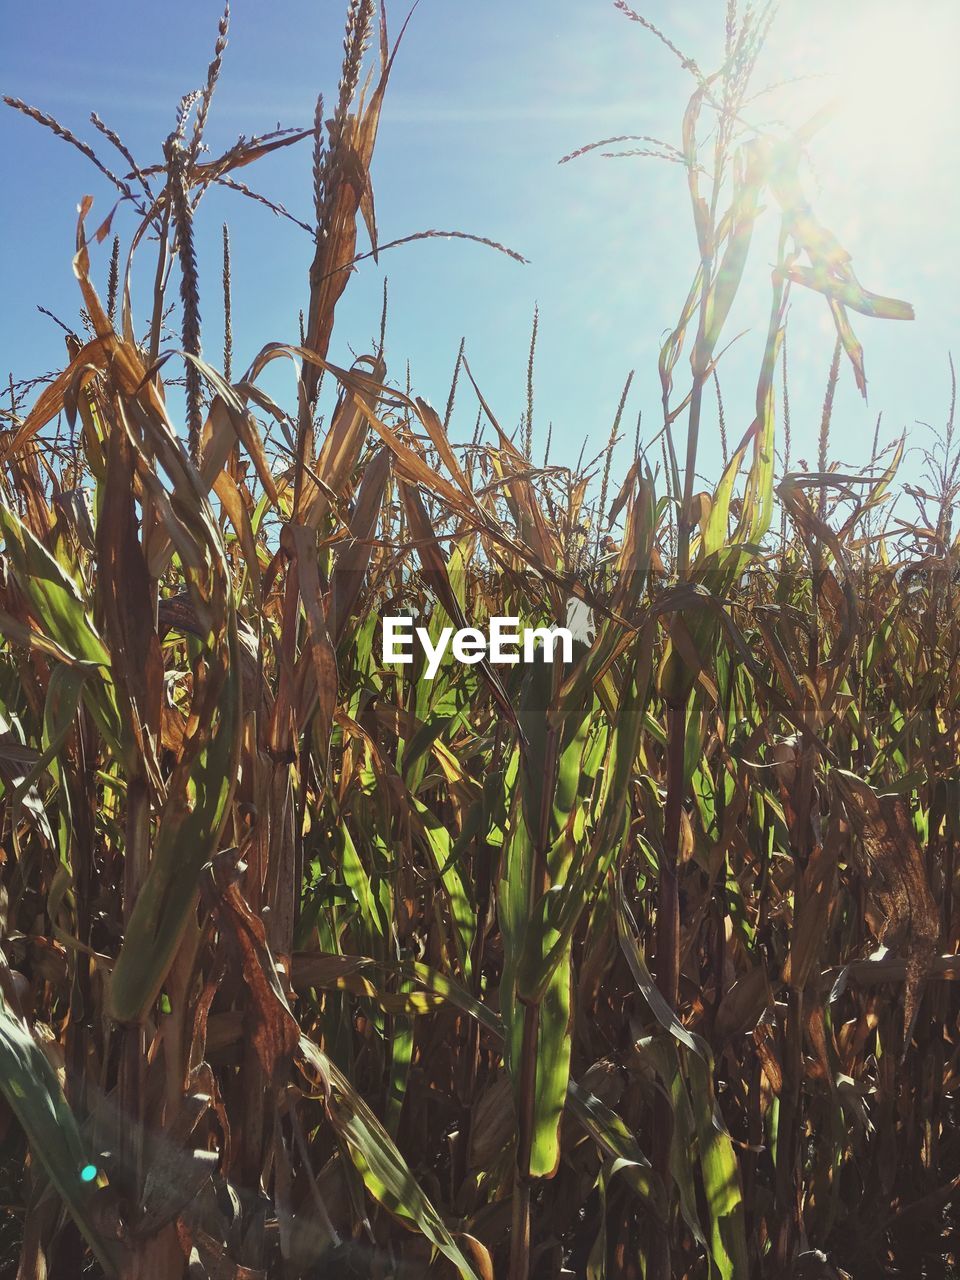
point(383, 1169)
point(664, 1054)
point(60, 609)
point(441, 849)
point(188, 835)
point(721, 1176)
point(31, 1088)
point(554, 1043)
point(357, 880)
point(401, 1056)
point(613, 1137)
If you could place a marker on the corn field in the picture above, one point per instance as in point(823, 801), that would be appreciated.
point(636, 965)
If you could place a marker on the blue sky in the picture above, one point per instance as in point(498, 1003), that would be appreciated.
point(484, 101)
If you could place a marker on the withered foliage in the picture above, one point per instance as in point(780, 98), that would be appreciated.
point(636, 966)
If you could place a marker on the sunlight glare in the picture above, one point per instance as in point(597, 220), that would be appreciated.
point(900, 78)
point(892, 81)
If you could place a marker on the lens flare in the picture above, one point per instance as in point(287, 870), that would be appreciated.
point(891, 80)
point(899, 80)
